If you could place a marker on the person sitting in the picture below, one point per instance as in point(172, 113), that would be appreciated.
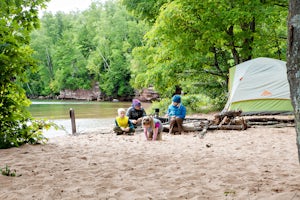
point(122, 124)
point(152, 128)
point(136, 113)
point(176, 114)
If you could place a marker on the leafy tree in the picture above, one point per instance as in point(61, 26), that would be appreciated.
point(18, 19)
point(293, 63)
point(145, 9)
point(77, 49)
point(192, 44)
point(70, 64)
point(41, 78)
point(117, 34)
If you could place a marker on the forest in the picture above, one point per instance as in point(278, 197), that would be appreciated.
point(171, 45)
point(127, 45)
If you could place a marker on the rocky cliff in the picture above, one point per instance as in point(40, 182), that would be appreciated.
point(145, 95)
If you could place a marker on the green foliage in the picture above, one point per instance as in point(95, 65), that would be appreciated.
point(18, 19)
point(145, 9)
point(77, 49)
point(193, 103)
point(9, 172)
point(169, 44)
point(192, 44)
point(24, 132)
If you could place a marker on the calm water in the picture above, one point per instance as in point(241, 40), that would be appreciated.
point(90, 116)
point(83, 109)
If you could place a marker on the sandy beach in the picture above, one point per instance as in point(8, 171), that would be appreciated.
point(258, 163)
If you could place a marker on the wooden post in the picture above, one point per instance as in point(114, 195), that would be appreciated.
point(72, 116)
point(156, 114)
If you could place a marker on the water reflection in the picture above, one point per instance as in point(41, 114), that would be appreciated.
point(83, 109)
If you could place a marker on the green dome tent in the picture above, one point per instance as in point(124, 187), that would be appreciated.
point(259, 87)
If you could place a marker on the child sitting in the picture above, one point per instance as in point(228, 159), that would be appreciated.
point(152, 128)
point(123, 124)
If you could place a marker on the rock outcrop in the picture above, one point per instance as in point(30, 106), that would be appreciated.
point(81, 94)
point(147, 95)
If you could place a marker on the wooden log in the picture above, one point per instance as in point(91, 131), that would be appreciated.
point(232, 127)
point(270, 119)
point(263, 123)
point(195, 119)
point(227, 127)
point(189, 127)
point(225, 117)
point(187, 120)
point(204, 130)
point(231, 114)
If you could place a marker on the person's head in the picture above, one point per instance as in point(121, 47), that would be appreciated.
point(121, 112)
point(147, 122)
point(136, 104)
point(176, 99)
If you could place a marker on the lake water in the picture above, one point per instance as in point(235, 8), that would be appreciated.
point(83, 109)
point(90, 116)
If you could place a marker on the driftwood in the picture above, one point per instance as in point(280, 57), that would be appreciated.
point(189, 127)
point(223, 121)
point(251, 120)
point(226, 127)
point(165, 120)
point(270, 122)
point(231, 120)
point(225, 117)
point(204, 130)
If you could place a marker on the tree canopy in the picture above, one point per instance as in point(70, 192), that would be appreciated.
point(168, 44)
point(77, 49)
point(17, 20)
point(192, 44)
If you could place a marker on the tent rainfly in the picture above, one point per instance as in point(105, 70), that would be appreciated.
point(259, 87)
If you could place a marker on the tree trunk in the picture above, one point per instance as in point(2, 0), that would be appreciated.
point(293, 63)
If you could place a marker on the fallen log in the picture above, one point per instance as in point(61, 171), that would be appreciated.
point(204, 130)
point(225, 117)
point(231, 114)
point(165, 120)
point(232, 127)
point(227, 127)
point(263, 123)
point(188, 127)
point(270, 119)
point(275, 125)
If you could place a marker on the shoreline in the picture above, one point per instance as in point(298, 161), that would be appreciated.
point(83, 126)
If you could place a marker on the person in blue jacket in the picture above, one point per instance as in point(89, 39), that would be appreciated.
point(176, 114)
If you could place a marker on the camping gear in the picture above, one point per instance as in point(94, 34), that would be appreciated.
point(259, 87)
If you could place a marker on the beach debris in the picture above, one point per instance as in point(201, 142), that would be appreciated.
point(208, 145)
point(230, 120)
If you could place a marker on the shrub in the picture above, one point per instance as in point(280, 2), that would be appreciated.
point(17, 133)
point(193, 103)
